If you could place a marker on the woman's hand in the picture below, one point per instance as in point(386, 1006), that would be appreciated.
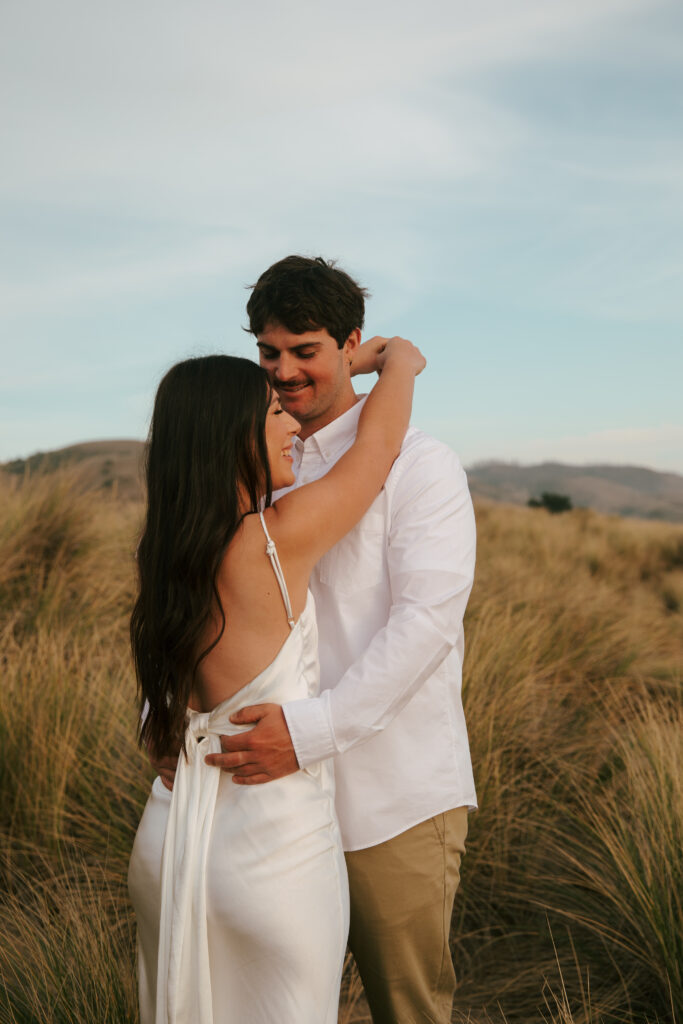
point(395, 349)
point(371, 356)
point(365, 356)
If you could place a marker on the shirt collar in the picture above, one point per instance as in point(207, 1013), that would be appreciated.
point(336, 436)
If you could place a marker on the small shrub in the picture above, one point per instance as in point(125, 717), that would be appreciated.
point(552, 502)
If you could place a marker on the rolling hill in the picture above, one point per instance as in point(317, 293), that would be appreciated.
point(612, 490)
point(97, 465)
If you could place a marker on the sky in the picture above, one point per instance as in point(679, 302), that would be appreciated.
point(506, 177)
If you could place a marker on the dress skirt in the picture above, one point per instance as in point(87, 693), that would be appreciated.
point(240, 892)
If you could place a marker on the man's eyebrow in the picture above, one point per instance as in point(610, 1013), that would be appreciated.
point(295, 348)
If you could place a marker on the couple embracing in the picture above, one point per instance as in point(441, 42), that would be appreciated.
point(304, 569)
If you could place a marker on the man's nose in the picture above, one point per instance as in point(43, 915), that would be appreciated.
point(285, 368)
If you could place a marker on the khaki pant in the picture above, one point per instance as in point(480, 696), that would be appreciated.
point(402, 895)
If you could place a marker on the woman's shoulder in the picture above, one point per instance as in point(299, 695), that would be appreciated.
point(260, 534)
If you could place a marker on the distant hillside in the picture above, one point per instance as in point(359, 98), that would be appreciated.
point(613, 490)
point(98, 465)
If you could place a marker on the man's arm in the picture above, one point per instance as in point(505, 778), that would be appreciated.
point(431, 565)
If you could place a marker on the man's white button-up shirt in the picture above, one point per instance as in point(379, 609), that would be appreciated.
point(390, 599)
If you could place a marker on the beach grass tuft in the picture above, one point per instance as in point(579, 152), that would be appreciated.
point(571, 905)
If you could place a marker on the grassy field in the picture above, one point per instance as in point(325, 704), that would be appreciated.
point(571, 903)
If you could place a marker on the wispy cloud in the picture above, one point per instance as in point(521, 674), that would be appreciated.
point(175, 101)
point(163, 269)
point(448, 152)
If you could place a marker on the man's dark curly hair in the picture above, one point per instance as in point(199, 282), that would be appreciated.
point(303, 294)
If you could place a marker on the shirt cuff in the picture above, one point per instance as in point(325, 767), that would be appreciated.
point(309, 726)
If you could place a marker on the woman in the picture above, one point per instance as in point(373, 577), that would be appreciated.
point(240, 892)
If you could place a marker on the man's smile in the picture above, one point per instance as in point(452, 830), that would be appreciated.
point(298, 386)
point(309, 371)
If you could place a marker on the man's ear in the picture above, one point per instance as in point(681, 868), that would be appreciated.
point(351, 344)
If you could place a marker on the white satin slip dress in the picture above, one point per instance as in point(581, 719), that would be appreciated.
point(240, 892)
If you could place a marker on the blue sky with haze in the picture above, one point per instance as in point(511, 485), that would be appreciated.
point(506, 177)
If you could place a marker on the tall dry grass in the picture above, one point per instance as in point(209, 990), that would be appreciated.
point(570, 909)
point(573, 696)
point(71, 779)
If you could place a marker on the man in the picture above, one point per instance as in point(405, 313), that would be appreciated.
point(390, 599)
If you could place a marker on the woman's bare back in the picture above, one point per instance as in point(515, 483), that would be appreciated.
point(256, 623)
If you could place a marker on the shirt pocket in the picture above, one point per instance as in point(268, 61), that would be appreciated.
point(357, 561)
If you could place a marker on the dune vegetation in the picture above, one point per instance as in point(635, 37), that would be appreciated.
point(571, 903)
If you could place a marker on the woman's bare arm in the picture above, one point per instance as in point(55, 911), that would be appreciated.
point(311, 519)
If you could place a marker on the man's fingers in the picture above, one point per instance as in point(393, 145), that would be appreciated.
point(251, 780)
point(253, 713)
point(247, 770)
point(240, 743)
point(227, 762)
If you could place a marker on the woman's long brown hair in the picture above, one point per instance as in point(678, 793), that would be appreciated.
point(206, 447)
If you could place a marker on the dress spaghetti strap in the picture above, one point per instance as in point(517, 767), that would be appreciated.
point(271, 551)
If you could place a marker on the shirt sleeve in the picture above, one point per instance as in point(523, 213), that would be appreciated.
point(431, 554)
